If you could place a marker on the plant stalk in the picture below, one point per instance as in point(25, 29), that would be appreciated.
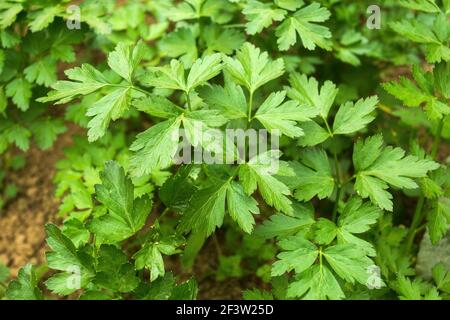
point(339, 187)
point(188, 99)
point(250, 106)
point(418, 213)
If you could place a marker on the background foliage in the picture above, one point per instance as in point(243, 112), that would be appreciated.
point(363, 171)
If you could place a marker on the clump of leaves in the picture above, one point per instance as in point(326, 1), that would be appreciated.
point(344, 168)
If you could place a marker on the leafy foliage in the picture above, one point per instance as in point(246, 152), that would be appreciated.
point(325, 212)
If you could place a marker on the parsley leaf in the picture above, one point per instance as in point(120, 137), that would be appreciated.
point(354, 117)
point(316, 283)
point(377, 167)
point(276, 115)
point(299, 254)
point(304, 23)
point(315, 172)
point(125, 216)
point(258, 173)
point(252, 68)
point(76, 266)
point(25, 287)
point(261, 15)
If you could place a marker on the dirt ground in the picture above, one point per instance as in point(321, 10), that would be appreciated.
point(22, 236)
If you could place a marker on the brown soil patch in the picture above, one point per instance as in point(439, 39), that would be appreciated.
point(22, 236)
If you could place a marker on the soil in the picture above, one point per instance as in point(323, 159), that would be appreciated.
point(22, 236)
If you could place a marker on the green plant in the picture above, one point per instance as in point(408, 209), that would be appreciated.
point(327, 209)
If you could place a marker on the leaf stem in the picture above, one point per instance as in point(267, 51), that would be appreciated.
point(129, 87)
point(141, 90)
point(250, 106)
point(188, 99)
point(437, 139)
point(339, 186)
point(418, 213)
point(330, 132)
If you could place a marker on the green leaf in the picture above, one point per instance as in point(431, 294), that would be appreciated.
point(421, 94)
point(76, 231)
point(421, 5)
point(76, 267)
point(109, 107)
point(46, 131)
point(176, 192)
point(276, 115)
point(415, 31)
point(298, 254)
point(316, 283)
point(3, 101)
point(258, 173)
point(203, 70)
point(160, 289)
point(261, 15)
point(17, 134)
point(211, 140)
point(314, 134)
point(315, 172)
point(256, 294)
point(150, 257)
point(40, 19)
point(158, 106)
point(349, 262)
point(356, 218)
point(217, 10)
point(304, 23)
point(438, 219)
point(43, 72)
point(252, 68)
point(114, 272)
point(20, 91)
point(185, 291)
point(181, 44)
point(442, 277)
point(173, 77)
point(323, 231)
point(206, 210)
point(222, 40)
point(414, 290)
point(306, 92)
point(9, 14)
point(124, 60)
point(230, 100)
point(241, 207)
point(354, 117)
point(435, 38)
point(25, 287)
point(281, 225)
point(291, 5)
point(377, 167)
point(85, 80)
point(155, 148)
point(125, 216)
